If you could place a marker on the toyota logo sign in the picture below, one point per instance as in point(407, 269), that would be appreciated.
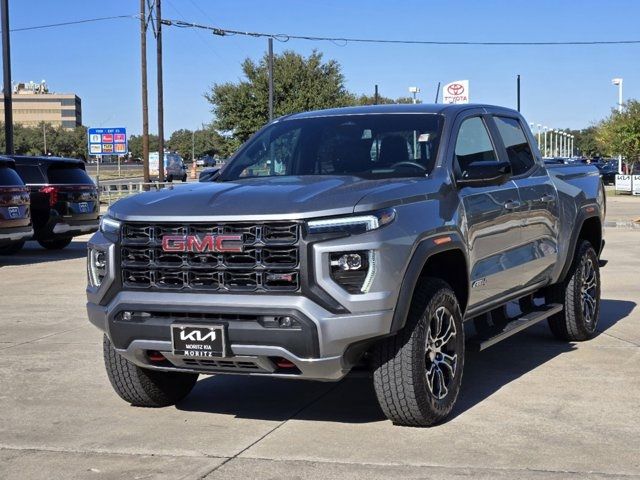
point(456, 92)
point(455, 89)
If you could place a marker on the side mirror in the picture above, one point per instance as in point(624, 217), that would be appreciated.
point(209, 174)
point(484, 174)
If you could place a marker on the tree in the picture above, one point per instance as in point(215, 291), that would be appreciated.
point(135, 145)
point(300, 84)
point(620, 132)
point(586, 143)
point(371, 100)
point(205, 141)
point(60, 141)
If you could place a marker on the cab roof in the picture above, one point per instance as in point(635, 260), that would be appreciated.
point(427, 108)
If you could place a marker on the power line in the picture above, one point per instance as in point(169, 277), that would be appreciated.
point(342, 41)
point(74, 22)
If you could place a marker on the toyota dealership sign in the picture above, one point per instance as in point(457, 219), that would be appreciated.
point(456, 92)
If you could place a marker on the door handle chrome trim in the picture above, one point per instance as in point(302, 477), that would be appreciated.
point(548, 198)
point(512, 205)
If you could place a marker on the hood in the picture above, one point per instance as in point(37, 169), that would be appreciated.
point(273, 198)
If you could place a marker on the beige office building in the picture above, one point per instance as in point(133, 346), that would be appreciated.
point(33, 104)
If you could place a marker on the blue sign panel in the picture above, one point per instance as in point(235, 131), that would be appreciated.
point(107, 141)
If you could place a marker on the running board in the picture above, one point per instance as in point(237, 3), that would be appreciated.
point(517, 325)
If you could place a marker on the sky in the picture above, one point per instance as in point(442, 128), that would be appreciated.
point(562, 86)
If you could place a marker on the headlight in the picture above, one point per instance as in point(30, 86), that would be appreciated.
point(96, 266)
point(352, 225)
point(109, 225)
point(353, 271)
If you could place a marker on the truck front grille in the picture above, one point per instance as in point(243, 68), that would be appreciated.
point(269, 261)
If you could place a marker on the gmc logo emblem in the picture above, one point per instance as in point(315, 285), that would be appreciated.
point(207, 243)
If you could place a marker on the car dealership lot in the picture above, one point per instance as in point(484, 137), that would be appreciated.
point(531, 407)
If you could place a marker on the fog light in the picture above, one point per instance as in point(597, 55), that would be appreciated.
point(127, 316)
point(349, 261)
point(353, 271)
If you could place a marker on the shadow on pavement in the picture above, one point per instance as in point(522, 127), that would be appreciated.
point(353, 399)
point(32, 253)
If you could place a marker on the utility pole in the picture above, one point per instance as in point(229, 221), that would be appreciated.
point(270, 78)
point(375, 95)
point(437, 93)
point(6, 70)
point(145, 104)
point(160, 93)
point(44, 136)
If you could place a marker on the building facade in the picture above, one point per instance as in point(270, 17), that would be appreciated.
point(33, 104)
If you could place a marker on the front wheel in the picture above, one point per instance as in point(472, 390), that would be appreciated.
point(580, 296)
point(55, 244)
point(142, 387)
point(418, 372)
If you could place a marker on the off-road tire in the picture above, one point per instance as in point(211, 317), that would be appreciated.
point(571, 324)
point(12, 248)
point(142, 387)
point(400, 364)
point(55, 244)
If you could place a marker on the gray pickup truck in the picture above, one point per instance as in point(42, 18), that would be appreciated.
point(357, 237)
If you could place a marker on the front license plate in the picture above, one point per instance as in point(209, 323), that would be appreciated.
point(84, 207)
point(198, 341)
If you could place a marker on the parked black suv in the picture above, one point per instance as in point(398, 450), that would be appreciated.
point(64, 199)
point(15, 217)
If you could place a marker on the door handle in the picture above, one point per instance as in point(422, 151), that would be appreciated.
point(547, 198)
point(512, 205)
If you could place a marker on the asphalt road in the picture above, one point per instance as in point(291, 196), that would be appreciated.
point(531, 407)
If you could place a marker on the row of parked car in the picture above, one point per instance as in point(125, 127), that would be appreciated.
point(47, 199)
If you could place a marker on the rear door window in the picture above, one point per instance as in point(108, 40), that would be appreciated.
point(31, 174)
point(70, 175)
point(515, 141)
point(8, 176)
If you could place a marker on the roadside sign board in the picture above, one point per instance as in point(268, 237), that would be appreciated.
point(635, 183)
point(456, 92)
point(623, 183)
point(107, 141)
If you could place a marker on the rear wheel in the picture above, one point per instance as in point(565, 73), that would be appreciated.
point(418, 371)
point(580, 296)
point(184, 177)
point(169, 178)
point(145, 388)
point(55, 244)
point(12, 248)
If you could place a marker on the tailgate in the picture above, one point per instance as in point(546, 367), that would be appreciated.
point(14, 207)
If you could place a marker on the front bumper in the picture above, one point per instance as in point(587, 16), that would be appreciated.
point(318, 350)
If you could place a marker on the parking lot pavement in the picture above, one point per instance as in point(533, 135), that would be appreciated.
point(531, 407)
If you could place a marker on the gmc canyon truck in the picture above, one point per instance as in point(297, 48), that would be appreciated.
point(361, 236)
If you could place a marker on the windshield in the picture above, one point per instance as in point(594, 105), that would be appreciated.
point(374, 145)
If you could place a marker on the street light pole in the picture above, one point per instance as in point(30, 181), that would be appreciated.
point(414, 91)
point(618, 82)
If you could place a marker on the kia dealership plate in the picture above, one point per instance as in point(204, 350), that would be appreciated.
point(198, 341)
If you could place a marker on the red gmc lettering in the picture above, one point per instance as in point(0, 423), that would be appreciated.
point(195, 244)
point(173, 243)
point(222, 239)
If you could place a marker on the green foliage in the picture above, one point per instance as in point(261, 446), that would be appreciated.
point(620, 132)
point(60, 142)
point(205, 141)
point(371, 100)
point(586, 143)
point(300, 84)
point(135, 145)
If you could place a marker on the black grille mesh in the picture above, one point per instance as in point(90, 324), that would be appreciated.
point(269, 261)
